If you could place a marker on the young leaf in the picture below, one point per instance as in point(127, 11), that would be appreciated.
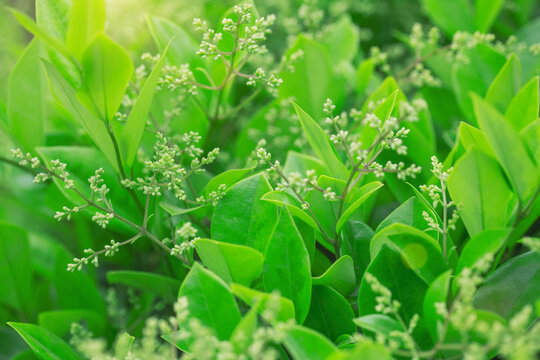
point(280, 198)
point(321, 145)
point(233, 263)
point(523, 108)
point(304, 343)
point(107, 70)
point(509, 149)
point(330, 313)
point(360, 197)
point(340, 276)
point(286, 265)
point(483, 243)
point(136, 122)
point(210, 301)
point(44, 344)
point(506, 85)
point(86, 20)
point(227, 178)
point(242, 218)
point(474, 181)
point(409, 213)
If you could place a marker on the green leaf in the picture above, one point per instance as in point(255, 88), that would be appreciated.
point(506, 85)
point(378, 323)
point(365, 351)
point(511, 287)
point(340, 276)
point(470, 136)
point(436, 293)
point(107, 70)
point(210, 301)
point(330, 313)
point(451, 16)
point(523, 108)
point(66, 96)
point(409, 213)
point(484, 243)
point(242, 335)
point(509, 149)
point(86, 20)
point(174, 210)
point(363, 75)
point(242, 218)
point(419, 251)
point(59, 321)
point(136, 121)
point(303, 343)
point(182, 47)
point(227, 178)
point(342, 39)
point(309, 91)
point(27, 99)
point(360, 197)
point(146, 282)
point(123, 346)
point(486, 11)
point(45, 344)
point(321, 145)
point(406, 287)
point(39, 32)
point(279, 198)
point(474, 181)
point(301, 163)
point(233, 263)
point(264, 301)
point(286, 265)
point(15, 267)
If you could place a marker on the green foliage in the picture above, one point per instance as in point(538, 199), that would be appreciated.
point(265, 183)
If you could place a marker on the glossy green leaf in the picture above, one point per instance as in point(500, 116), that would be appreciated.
point(304, 343)
point(506, 85)
point(474, 180)
point(470, 136)
point(133, 131)
point(123, 345)
point(419, 251)
point(227, 178)
point(107, 70)
point(15, 267)
point(59, 321)
point(231, 262)
point(342, 40)
point(146, 282)
point(409, 213)
point(242, 335)
point(321, 145)
point(359, 198)
point(523, 108)
point(66, 96)
point(279, 198)
point(86, 20)
point(340, 276)
point(512, 286)
point(286, 265)
point(242, 218)
point(27, 99)
point(483, 243)
point(210, 301)
point(44, 344)
point(264, 301)
point(329, 313)
point(509, 149)
point(363, 75)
